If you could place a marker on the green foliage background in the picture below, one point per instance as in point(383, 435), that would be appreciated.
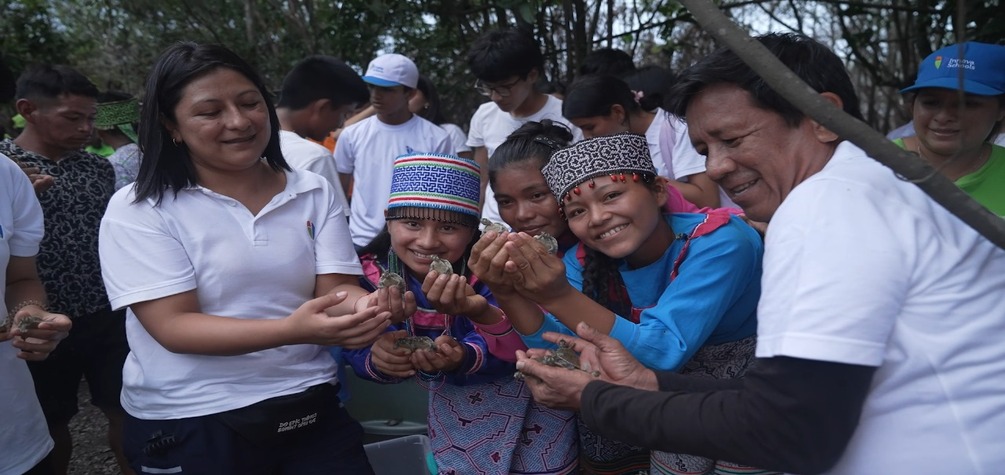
point(115, 41)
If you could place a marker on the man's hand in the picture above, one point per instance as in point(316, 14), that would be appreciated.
point(39, 181)
point(562, 388)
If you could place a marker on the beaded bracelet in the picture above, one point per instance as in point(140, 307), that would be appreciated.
point(24, 303)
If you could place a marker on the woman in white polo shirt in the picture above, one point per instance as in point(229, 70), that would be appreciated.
point(237, 272)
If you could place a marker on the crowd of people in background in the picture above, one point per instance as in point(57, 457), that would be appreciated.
point(643, 272)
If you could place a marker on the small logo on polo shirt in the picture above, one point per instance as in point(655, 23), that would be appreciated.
point(310, 229)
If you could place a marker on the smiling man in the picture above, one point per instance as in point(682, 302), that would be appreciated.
point(880, 323)
point(59, 105)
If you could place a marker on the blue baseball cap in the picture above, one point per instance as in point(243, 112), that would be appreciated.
point(981, 67)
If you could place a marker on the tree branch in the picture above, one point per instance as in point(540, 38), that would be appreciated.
point(794, 90)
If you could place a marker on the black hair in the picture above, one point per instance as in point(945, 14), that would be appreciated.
point(591, 96)
point(380, 247)
point(322, 77)
point(113, 96)
point(501, 54)
point(811, 61)
point(432, 111)
point(48, 81)
point(166, 165)
point(606, 61)
point(551, 87)
point(8, 84)
point(532, 141)
point(652, 82)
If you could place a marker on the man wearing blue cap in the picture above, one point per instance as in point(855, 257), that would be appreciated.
point(955, 132)
point(365, 151)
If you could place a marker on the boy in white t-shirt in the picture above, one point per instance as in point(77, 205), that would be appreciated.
point(507, 64)
point(318, 94)
point(365, 151)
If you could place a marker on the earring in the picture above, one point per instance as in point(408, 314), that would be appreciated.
point(176, 142)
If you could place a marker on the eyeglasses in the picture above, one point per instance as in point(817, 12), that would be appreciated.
point(504, 90)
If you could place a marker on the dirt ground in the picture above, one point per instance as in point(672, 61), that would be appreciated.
point(91, 455)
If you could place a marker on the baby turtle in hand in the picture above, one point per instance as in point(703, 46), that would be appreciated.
point(441, 266)
point(392, 280)
point(29, 322)
point(416, 343)
point(548, 241)
point(493, 226)
point(562, 357)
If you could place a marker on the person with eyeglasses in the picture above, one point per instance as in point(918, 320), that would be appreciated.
point(507, 64)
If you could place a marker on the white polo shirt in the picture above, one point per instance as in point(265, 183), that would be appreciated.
point(863, 268)
point(241, 266)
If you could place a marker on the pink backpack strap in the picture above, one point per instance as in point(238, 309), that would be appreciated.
point(714, 219)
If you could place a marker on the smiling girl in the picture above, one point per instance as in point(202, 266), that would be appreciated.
point(432, 214)
point(678, 290)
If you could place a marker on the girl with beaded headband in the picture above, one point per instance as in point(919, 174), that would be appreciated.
point(432, 214)
point(679, 291)
point(605, 105)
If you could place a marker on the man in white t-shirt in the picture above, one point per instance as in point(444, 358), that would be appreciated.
point(317, 96)
point(881, 318)
point(365, 151)
point(507, 64)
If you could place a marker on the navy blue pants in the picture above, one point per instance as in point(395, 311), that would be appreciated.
point(205, 445)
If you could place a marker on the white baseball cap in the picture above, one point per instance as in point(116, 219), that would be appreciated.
point(391, 70)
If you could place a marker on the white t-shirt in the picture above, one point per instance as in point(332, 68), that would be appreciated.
point(679, 156)
point(303, 154)
point(367, 150)
point(241, 266)
point(863, 268)
point(24, 438)
point(490, 126)
point(457, 137)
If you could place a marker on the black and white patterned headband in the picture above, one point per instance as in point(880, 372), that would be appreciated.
point(613, 155)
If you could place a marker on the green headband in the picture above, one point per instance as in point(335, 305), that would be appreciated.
point(118, 115)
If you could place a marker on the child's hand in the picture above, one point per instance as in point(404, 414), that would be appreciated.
point(448, 356)
point(401, 306)
point(536, 274)
point(488, 260)
point(451, 294)
point(389, 360)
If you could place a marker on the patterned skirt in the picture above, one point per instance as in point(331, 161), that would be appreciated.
point(725, 361)
point(496, 428)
